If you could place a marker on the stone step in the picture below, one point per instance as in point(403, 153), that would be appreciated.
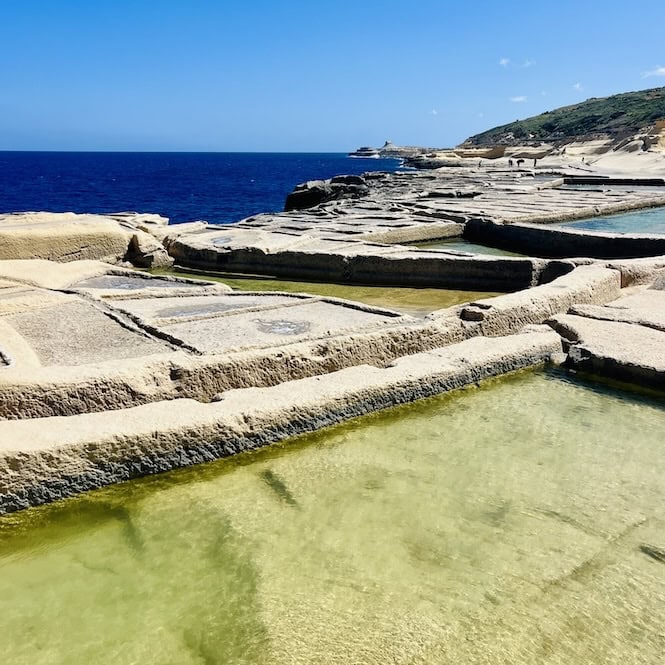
point(645, 308)
point(616, 350)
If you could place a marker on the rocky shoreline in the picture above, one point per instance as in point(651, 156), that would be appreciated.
point(107, 373)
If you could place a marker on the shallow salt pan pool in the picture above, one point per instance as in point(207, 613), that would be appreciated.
point(651, 220)
point(460, 245)
point(412, 301)
point(520, 522)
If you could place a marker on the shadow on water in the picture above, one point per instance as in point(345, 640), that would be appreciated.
point(277, 485)
point(65, 519)
point(232, 631)
point(135, 565)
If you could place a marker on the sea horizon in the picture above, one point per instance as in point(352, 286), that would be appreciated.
point(192, 152)
point(218, 187)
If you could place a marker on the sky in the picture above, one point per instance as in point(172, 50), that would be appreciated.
point(262, 75)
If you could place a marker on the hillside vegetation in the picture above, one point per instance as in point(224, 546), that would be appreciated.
point(617, 116)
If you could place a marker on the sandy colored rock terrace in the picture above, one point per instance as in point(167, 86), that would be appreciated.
point(71, 237)
point(107, 373)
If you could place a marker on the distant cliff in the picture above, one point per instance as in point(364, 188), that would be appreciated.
point(390, 150)
point(614, 117)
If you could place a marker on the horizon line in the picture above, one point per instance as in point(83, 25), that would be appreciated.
point(210, 152)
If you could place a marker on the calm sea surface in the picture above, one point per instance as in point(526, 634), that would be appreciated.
point(217, 187)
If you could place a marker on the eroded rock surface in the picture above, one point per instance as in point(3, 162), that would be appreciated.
point(118, 346)
point(366, 240)
point(623, 340)
point(71, 237)
point(147, 373)
point(47, 459)
point(314, 192)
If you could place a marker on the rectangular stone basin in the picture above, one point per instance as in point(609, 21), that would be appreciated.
point(77, 333)
point(194, 306)
point(129, 283)
point(273, 327)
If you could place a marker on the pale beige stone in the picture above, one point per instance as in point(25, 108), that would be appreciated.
point(47, 459)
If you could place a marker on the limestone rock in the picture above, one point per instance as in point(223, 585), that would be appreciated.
point(61, 237)
point(314, 192)
point(47, 459)
point(145, 251)
point(74, 237)
point(617, 350)
point(659, 281)
point(509, 313)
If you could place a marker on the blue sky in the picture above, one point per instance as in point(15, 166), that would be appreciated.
point(307, 76)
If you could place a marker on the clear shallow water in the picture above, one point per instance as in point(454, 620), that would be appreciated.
point(651, 220)
point(497, 525)
point(415, 302)
point(217, 187)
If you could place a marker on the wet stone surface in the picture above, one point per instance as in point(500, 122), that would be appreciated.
point(76, 333)
point(127, 283)
point(247, 329)
point(283, 327)
point(222, 240)
point(196, 310)
point(197, 305)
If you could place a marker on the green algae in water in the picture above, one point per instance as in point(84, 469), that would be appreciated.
point(460, 245)
point(412, 301)
point(505, 524)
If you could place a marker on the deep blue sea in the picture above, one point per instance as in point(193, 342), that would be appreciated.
point(216, 187)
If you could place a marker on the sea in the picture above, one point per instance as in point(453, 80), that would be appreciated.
point(215, 187)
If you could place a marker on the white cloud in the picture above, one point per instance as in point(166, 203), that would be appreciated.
point(434, 112)
point(656, 71)
point(518, 99)
point(507, 62)
point(578, 87)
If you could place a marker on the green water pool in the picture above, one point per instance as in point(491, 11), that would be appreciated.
point(460, 245)
point(519, 522)
point(412, 301)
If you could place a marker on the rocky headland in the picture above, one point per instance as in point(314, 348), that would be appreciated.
point(623, 133)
